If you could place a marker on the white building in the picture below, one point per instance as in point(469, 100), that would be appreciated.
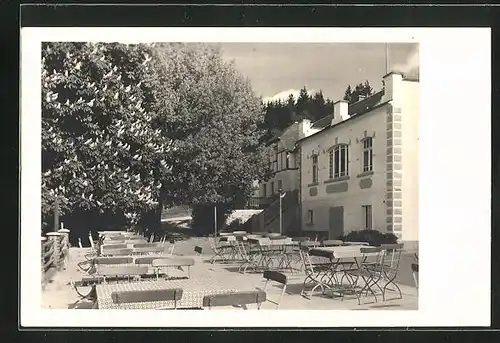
point(359, 167)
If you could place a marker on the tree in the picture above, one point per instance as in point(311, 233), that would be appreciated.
point(104, 151)
point(318, 108)
point(361, 89)
point(348, 94)
point(215, 126)
point(303, 101)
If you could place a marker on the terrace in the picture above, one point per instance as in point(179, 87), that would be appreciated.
point(227, 275)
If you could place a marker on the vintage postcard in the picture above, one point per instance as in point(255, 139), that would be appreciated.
point(307, 171)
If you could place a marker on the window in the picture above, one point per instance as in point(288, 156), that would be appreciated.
point(310, 217)
point(367, 154)
point(287, 160)
point(339, 160)
point(315, 168)
point(272, 187)
point(280, 185)
point(367, 216)
point(264, 189)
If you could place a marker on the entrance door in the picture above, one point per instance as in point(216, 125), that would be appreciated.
point(336, 228)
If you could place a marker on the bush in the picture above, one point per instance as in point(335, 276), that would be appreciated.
point(373, 237)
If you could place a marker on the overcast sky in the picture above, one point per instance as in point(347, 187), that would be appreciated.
point(276, 67)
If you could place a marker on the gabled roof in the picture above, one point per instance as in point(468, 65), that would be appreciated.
point(356, 108)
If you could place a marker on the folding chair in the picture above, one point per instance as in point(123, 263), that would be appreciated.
point(277, 277)
point(162, 241)
point(94, 249)
point(236, 299)
point(178, 263)
point(125, 297)
point(247, 254)
point(390, 267)
point(315, 272)
point(370, 270)
point(219, 251)
point(296, 258)
point(414, 270)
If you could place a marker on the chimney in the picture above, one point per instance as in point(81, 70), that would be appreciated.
point(304, 127)
point(340, 112)
point(392, 86)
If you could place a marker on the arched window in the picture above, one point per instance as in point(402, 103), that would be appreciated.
point(339, 161)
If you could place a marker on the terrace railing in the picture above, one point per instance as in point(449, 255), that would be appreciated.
point(54, 253)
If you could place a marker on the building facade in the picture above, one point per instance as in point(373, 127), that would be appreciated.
point(359, 166)
point(284, 161)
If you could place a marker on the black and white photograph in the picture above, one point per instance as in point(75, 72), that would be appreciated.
point(231, 175)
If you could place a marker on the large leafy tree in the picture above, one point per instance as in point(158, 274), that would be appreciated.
point(103, 146)
point(215, 123)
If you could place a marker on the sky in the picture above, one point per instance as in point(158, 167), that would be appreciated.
point(276, 67)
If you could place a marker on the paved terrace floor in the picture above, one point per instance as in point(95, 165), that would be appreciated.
point(59, 294)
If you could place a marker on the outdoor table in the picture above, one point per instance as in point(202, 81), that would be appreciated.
point(340, 257)
point(193, 292)
point(273, 253)
point(147, 259)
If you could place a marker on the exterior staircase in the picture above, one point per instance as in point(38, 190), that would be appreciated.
point(268, 219)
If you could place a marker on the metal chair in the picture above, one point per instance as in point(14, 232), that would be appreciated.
point(125, 297)
point(198, 250)
point(277, 277)
point(370, 270)
point(390, 267)
point(315, 272)
point(219, 250)
point(236, 299)
point(247, 255)
point(414, 270)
